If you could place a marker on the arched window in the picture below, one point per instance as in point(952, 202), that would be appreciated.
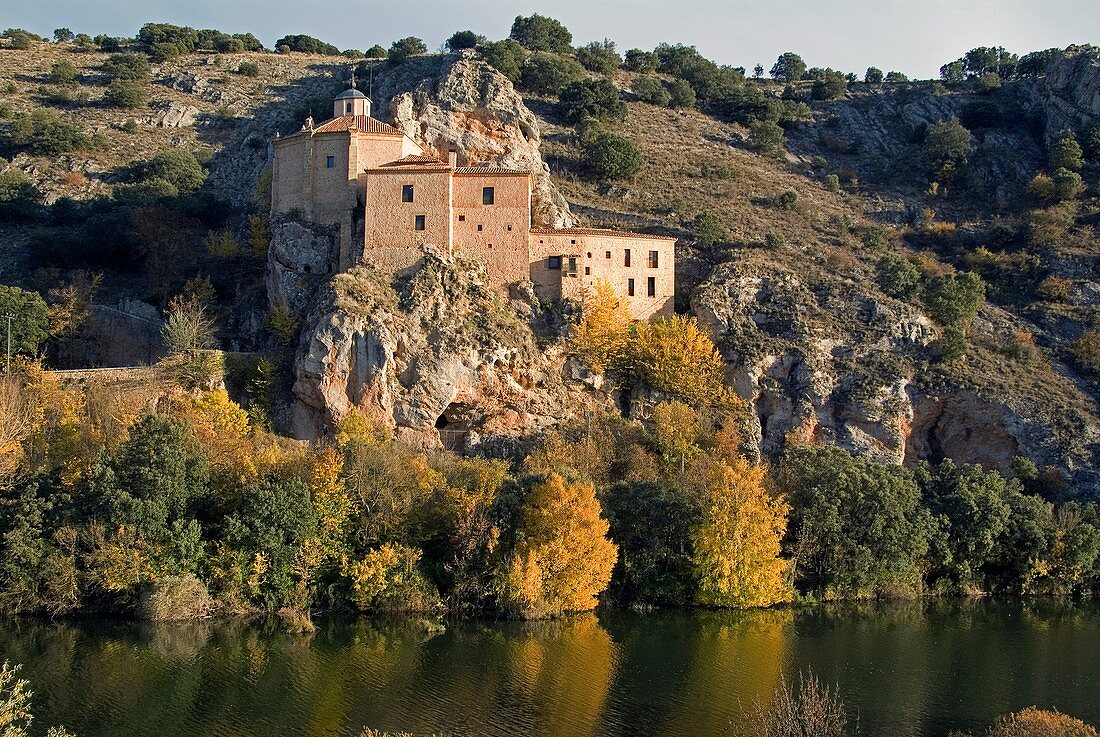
point(347, 108)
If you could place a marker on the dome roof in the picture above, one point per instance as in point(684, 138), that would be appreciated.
point(350, 94)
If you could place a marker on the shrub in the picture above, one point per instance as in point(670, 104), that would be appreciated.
point(46, 132)
point(830, 86)
point(787, 201)
point(832, 183)
point(896, 276)
point(187, 327)
point(1067, 185)
point(896, 77)
point(175, 599)
point(375, 52)
point(708, 228)
point(1041, 189)
point(506, 56)
point(813, 710)
point(306, 45)
point(19, 198)
point(766, 137)
point(1032, 722)
point(406, 47)
point(609, 157)
point(162, 52)
point(30, 325)
point(599, 57)
point(547, 74)
point(248, 69)
point(953, 300)
point(1066, 153)
point(681, 94)
point(988, 82)
point(63, 35)
point(539, 33)
point(463, 40)
point(126, 94)
point(63, 73)
point(948, 142)
point(873, 76)
point(563, 559)
point(640, 61)
point(177, 167)
point(127, 66)
point(591, 98)
point(649, 89)
point(387, 579)
point(774, 241)
point(1086, 351)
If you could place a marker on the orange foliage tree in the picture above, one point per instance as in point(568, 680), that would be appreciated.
point(677, 357)
point(601, 336)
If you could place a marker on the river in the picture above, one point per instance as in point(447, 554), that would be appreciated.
point(903, 669)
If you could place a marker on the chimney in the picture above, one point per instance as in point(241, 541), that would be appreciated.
point(452, 159)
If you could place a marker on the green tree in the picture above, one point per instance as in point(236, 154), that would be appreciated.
point(403, 48)
point(599, 56)
point(953, 73)
point(873, 75)
point(832, 85)
point(953, 300)
point(126, 94)
point(1066, 153)
point(46, 132)
point(648, 88)
point(766, 137)
point(609, 157)
point(1067, 184)
point(539, 33)
point(857, 528)
point(178, 167)
point(30, 322)
point(988, 82)
point(506, 56)
point(63, 72)
point(681, 94)
point(306, 45)
point(591, 98)
point(464, 40)
point(789, 67)
point(127, 67)
point(708, 228)
point(896, 276)
point(548, 74)
point(19, 198)
point(63, 35)
point(643, 62)
point(947, 147)
point(896, 77)
point(375, 52)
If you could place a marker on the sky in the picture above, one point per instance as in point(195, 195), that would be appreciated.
point(911, 36)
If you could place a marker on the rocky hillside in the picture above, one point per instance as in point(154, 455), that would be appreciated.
point(789, 292)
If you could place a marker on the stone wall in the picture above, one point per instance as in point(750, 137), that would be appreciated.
point(391, 241)
point(495, 235)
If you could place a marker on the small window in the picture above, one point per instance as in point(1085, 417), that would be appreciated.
point(588, 271)
point(572, 264)
point(630, 287)
point(330, 162)
point(589, 254)
point(573, 242)
point(654, 259)
point(651, 286)
point(418, 222)
point(347, 108)
point(461, 218)
point(490, 245)
point(479, 227)
point(626, 257)
point(488, 195)
point(406, 193)
point(607, 254)
point(509, 228)
point(554, 263)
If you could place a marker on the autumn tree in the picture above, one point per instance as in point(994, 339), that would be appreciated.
point(562, 559)
point(601, 336)
point(674, 355)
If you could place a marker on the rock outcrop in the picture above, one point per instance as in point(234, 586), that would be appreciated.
point(439, 357)
point(1071, 91)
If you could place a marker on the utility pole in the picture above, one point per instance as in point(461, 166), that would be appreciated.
point(7, 363)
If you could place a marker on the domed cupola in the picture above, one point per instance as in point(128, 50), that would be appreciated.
point(350, 102)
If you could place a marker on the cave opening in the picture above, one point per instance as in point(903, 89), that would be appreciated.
point(453, 426)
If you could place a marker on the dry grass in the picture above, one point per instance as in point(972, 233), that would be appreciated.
point(813, 710)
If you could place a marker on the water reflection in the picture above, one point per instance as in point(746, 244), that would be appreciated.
point(907, 669)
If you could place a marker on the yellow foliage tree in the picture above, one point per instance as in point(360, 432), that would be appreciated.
point(677, 357)
point(600, 337)
point(222, 430)
point(333, 503)
point(388, 579)
point(563, 559)
point(18, 420)
point(737, 544)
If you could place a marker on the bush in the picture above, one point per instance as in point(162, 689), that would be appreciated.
point(789, 67)
point(506, 56)
point(787, 201)
point(640, 61)
point(813, 710)
point(63, 73)
point(248, 69)
point(375, 52)
point(175, 599)
point(126, 94)
point(948, 142)
point(127, 67)
point(873, 76)
point(388, 579)
point(30, 325)
point(463, 40)
point(599, 57)
point(406, 47)
point(19, 198)
point(1032, 722)
point(896, 276)
point(1086, 351)
point(708, 228)
point(988, 82)
point(832, 183)
point(681, 94)
point(1066, 153)
point(1067, 185)
point(591, 98)
point(539, 33)
point(831, 86)
point(609, 157)
point(46, 132)
point(547, 74)
point(306, 45)
point(162, 52)
point(953, 300)
point(766, 137)
point(177, 167)
point(649, 89)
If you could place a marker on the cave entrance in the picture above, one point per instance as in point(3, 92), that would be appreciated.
point(453, 426)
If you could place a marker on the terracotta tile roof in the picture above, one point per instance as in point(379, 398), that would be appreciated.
point(486, 169)
point(414, 160)
point(599, 231)
point(363, 123)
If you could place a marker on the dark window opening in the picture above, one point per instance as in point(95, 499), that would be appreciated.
point(626, 257)
point(490, 245)
point(509, 228)
point(406, 193)
point(607, 254)
point(630, 287)
point(330, 162)
point(573, 242)
point(419, 222)
point(588, 271)
point(589, 254)
point(461, 218)
point(554, 263)
point(488, 195)
point(654, 257)
point(651, 286)
point(347, 108)
point(572, 265)
point(479, 227)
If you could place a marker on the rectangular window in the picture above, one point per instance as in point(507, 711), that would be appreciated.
point(509, 228)
point(653, 259)
point(607, 254)
point(588, 271)
point(479, 226)
point(651, 286)
point(406, 193)
point(461, 218)
point(630, 287)
point(554, 263)
point(330, 162)
point(418, 222)
point(572, 264)
point(626, 257)
point(488, 195)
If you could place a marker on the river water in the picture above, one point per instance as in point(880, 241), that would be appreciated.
point(902, 669)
